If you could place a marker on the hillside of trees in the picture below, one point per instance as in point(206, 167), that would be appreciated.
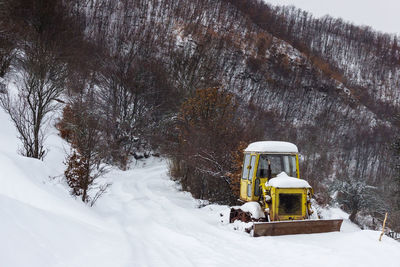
point(197, 80)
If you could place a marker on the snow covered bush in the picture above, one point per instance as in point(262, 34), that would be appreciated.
point(81, 178)
point(77, 175)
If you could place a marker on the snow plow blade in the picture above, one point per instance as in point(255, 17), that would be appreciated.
point(296, 227)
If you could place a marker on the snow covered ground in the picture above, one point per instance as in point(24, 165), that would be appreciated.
point(144, 220)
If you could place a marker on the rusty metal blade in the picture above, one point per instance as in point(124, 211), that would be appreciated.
point(296, 227)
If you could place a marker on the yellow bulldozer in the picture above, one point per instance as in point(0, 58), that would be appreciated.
point(271, 180)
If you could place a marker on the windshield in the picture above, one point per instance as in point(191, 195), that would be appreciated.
point(278, 163)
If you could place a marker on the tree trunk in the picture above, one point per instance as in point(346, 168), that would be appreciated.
point(352, 216)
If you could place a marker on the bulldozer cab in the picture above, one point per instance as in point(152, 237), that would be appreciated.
point(263, 161)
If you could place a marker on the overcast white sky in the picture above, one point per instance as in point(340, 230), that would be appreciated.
point(382, 15)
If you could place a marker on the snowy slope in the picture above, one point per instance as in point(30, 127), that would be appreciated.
point(40, 224)
point(144, 220)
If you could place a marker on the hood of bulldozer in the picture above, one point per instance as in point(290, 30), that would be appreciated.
point(288, 204)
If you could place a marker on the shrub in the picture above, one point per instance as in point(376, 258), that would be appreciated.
point(205, 145)
point(81, 129)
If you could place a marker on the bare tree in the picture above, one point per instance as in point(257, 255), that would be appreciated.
point(42, 82)
point(7, 52)
point(7, 40)
point(46, 39)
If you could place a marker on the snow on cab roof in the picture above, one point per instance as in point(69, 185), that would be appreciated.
point(285, 181)
point(272, 146)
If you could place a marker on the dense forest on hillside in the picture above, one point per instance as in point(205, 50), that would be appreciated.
point(197, 80)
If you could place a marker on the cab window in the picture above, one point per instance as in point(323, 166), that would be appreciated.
point(246, 170)
point(276, 164)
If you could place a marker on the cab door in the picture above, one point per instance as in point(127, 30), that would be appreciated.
point(246, 183)
point(250, 186)
point(245, 176)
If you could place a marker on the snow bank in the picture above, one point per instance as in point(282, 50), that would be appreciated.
point(282, 180)
point(272, 146)
point(41, 224)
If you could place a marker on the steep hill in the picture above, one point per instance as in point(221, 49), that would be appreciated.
point(145, 220)
point(327, 81)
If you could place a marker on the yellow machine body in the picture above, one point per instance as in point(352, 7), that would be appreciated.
point(253, 188)
point(280, 204)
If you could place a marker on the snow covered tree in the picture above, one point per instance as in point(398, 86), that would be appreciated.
point(395, 187)
point(132, 93)
point(355, 195)
point(396, 147)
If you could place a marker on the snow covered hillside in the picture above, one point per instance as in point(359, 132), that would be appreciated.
point(144, 220)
